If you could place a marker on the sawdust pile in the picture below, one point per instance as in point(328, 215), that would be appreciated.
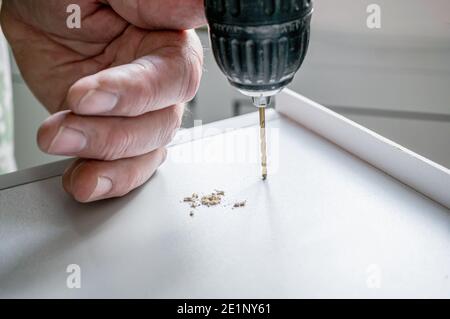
point(209, 200)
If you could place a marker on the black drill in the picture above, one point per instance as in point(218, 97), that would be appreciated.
point(259, 45)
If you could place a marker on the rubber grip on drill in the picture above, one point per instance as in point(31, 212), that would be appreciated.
point(259, 44)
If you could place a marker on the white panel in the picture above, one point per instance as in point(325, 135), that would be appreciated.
point(425, 176)
point(325, 224)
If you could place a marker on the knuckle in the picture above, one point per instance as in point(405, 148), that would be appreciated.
point(187, 61)
point(172, 120)
point(117, 143)
point(148, 89)
point(194, 57)
point(192, 64)
point(193, 77)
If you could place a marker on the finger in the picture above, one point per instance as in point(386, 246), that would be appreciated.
point(168, 73)
point(68, 173)
point(162, 14)
point(109, 138)
point(47, 15)
point(90, 180)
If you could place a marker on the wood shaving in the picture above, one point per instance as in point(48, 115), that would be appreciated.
point(192, 199)
point(240, 204)
point(220, 193)
point(209, 200)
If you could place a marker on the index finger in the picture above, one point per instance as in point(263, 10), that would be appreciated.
point(161, 14)
point(162, 77)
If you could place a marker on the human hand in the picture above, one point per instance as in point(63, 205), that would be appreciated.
point(116, 87)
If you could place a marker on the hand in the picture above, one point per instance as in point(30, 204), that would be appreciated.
point(116, 87)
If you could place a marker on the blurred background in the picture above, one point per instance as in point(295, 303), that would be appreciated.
point(394, 80)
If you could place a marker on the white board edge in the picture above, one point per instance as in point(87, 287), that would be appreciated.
point(410, 168)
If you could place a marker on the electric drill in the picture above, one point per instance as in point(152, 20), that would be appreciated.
point(259, 45)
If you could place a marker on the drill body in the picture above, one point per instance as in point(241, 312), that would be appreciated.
point(259, 44)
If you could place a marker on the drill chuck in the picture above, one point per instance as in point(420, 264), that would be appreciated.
point(259, 44)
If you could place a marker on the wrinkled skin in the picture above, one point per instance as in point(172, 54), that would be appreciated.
point(116, 88)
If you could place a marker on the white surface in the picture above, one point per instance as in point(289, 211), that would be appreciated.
point(400, 18)
point(434, 144)
point(423, 175)
point(319, 227)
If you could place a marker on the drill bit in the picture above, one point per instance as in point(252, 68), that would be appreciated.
point(262, 122)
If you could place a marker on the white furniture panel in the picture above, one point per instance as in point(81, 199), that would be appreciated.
point(325, 224)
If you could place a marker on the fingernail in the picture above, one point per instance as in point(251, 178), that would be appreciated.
point(97, 102)
point(67, 142)
point(104, 186)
